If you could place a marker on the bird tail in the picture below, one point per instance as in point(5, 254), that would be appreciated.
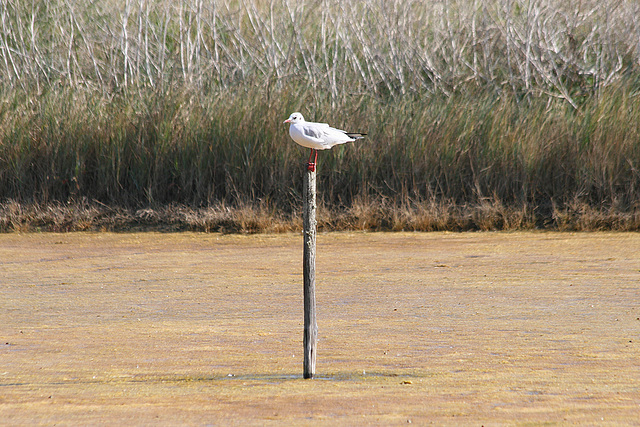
point(356, 135)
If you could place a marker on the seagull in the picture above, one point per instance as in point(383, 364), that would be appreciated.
point(317, 136)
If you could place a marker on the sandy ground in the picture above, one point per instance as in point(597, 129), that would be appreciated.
point(205, 329)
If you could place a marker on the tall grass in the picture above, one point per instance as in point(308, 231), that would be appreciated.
point(480, 113)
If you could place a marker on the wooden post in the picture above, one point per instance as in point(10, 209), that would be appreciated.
point(309, 274)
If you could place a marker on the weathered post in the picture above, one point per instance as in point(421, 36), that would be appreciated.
point(309, 274)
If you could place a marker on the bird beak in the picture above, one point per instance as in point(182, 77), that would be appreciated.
point(287, 121)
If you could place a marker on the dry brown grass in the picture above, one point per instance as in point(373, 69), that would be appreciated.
point(363, 215)
point(98, 217)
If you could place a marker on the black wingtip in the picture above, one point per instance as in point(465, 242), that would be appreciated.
point(356, 135)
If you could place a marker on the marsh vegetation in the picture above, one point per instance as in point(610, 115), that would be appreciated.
point(481, 114)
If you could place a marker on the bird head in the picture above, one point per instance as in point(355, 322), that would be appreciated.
point(295, 118)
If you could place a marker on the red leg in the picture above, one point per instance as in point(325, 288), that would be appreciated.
point(312, 165)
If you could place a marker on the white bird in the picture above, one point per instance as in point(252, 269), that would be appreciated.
point(317, 136)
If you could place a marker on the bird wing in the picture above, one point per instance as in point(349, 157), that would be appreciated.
point(325, 135)
point(353, 135)
point(311, 130)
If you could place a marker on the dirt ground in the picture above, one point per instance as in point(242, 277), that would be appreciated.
point(206, 329)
